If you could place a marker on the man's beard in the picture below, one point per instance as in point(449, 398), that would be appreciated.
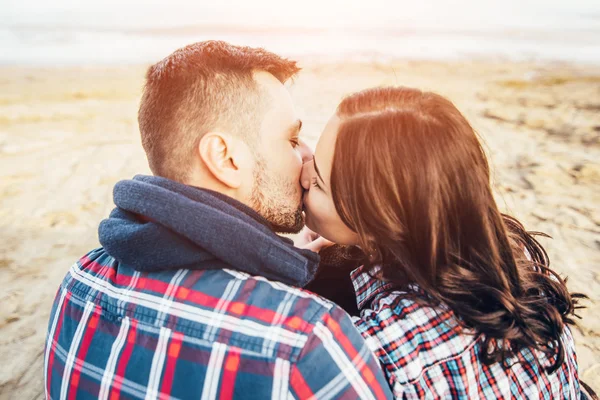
point(273, 197)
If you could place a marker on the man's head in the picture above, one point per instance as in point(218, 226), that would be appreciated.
point(217, 116)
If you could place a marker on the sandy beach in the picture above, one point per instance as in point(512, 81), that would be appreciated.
point(67, 135)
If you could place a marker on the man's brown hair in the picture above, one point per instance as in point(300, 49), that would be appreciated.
point(200, 87)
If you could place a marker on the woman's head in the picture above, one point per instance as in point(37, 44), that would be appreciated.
point(403, 175)
point(399, 165)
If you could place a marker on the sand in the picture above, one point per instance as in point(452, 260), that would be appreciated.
point(67, 135)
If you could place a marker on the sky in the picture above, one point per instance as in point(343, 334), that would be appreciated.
point(67, 32)
point(440, 14)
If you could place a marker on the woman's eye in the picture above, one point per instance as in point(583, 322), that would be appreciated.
point(315, 183)
point(295, 143)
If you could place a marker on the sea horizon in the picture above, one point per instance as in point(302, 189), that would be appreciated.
point(136, 32)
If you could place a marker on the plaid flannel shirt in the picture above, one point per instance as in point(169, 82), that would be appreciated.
point(203, 334)
point(427, 355)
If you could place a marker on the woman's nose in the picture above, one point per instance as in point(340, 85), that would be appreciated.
point(305, 175)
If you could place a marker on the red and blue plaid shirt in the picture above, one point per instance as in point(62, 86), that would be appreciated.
point(202, 334)
point(427, 355)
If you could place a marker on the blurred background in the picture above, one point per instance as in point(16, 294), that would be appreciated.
point(71, 32)
point(526, 73)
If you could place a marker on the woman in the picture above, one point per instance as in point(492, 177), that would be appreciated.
point(456, 299)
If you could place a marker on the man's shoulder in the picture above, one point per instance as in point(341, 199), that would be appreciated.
point(214, 305)
point(206, 331)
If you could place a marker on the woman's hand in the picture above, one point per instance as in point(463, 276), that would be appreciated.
point(310, 240)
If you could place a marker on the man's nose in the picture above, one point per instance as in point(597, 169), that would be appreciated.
point(305, 151)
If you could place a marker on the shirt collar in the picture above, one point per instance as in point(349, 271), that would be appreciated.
point(367, 285)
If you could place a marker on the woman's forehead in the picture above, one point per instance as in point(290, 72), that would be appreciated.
point(326, 146)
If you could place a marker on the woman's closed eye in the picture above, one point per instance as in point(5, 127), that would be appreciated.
point(315, 183)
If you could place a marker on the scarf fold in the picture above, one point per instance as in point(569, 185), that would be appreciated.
point(160, 224)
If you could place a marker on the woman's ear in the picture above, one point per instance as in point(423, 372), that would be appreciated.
point(221, 155)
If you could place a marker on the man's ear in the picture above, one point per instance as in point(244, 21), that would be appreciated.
point(219, 152)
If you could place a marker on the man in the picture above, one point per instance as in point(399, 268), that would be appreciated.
point(192, 294)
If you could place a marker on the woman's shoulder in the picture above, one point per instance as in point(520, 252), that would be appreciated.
point(412, 309)
point(415, 340)
point(410, 335)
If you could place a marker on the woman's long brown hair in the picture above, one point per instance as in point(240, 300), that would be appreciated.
point(410, 177)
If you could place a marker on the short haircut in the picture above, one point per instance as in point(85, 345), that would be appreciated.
point(198, 88)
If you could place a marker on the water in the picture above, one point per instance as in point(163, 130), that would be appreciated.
point(68, 32)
